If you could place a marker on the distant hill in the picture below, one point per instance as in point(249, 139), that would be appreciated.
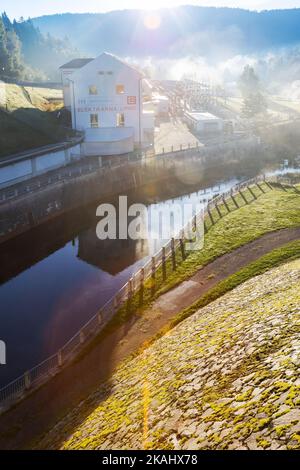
point(208, 31)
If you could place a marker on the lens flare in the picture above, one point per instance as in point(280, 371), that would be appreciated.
point(152, 20)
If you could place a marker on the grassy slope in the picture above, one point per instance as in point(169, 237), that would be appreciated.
point(277, 257)
point(225, 378)
point(274, 210)
point(27, 118)
point(275, 106)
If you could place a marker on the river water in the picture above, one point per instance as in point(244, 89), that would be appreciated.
point(52, 284)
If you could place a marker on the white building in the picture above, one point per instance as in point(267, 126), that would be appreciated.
point(204, 123)
point(105, 96)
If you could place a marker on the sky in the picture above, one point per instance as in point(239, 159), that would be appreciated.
point(33, 8)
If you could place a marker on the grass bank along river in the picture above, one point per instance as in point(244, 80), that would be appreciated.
point(59, 280)
point(80, 378)
point(232, 381)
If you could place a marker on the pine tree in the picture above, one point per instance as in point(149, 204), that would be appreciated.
point(253, 100)
point(4, 56)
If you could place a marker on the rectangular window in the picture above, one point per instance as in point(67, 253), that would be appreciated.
point(120, 89)
point(93, 90)
point(94, 120)
point(120, 120)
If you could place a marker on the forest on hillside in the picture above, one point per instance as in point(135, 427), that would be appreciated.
point(203, 31)
point(213, 42)
point(27, 54)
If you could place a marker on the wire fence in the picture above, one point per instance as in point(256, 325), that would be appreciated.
point(39, 374)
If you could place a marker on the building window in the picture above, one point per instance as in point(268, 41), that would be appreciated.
point(120, 120)
point(120, 89)
point(93, 90)
point(94, 120)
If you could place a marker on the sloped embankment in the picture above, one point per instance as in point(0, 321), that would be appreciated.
point(28, 118)
point(227, 377)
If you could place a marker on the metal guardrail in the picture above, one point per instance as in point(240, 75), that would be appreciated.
point(36, 376)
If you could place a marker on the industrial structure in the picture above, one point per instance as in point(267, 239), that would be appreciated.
point(203, 123)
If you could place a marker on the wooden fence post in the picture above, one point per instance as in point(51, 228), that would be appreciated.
point(163, 263)
point(153, 273)
point(59, 358)
point(115, 303)
point(129, 295)
point(142, 278)
point(182, 248)
point(268, 184)
point(234, 200)
point(218, 210)
point(81, 337)
point(242, 195)
point(250, 190)
point(210, 216)
point(225, 204)
point(173, 254)
point(153, 267)
point(259, 187)
point(27, 380)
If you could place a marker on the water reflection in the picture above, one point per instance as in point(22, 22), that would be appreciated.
point(56, 278)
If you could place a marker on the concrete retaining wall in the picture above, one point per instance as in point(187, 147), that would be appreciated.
point(184, 166)
point(26, 168)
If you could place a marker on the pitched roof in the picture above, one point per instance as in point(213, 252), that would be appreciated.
point(118, 59)
point(80, 63)
point(76, 64)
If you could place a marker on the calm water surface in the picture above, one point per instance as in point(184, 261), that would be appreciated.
point(51, 295)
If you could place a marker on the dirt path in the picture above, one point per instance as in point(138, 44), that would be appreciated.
point(37, 413)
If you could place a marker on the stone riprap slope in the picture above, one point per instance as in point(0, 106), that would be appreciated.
point(225, 378)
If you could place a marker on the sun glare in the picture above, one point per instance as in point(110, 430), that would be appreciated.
point(152, 20)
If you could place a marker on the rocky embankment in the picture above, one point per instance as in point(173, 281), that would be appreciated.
point(225, 378)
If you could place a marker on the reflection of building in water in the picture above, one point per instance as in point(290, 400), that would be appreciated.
point(112, 256)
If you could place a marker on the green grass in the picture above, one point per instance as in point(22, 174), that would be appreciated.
point(28, 118)
point(275, 258)
point(163, 379)
point(274, 210)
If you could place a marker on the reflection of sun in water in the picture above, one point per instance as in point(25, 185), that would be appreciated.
point(152, 20)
